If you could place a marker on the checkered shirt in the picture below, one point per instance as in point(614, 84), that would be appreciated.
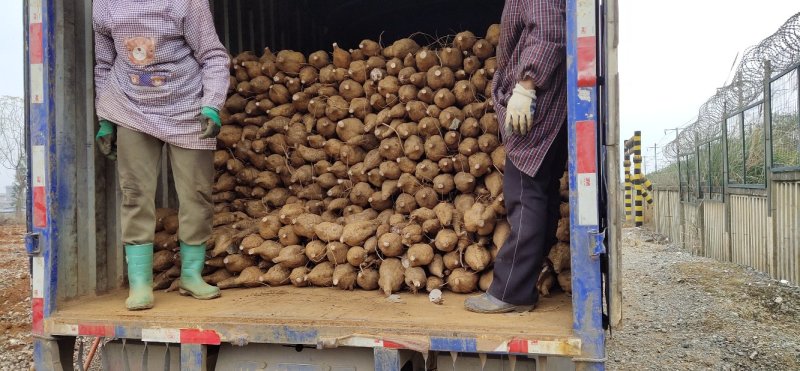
point(532, 44)
point(158, 63)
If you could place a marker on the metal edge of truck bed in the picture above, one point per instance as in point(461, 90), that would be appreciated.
point(328, 337)
point(313, 316)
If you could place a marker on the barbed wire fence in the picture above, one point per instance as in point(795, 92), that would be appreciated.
point(734, 119)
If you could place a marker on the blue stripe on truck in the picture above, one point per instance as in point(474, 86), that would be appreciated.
point(454, 345)
point(289, 335)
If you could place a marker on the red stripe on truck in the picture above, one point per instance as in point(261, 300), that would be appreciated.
point(518, 346)
point(37, 313)
point(35, 53)
point(587, 61)
point(39, 208)
point(96, 330)
point(586, 146)
point(392, 345)
point(196, 336)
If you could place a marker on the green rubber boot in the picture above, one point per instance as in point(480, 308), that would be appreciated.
point(140, 276)
point(193, 258)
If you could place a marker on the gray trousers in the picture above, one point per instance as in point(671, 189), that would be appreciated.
point(139, 163)
point(532, 204)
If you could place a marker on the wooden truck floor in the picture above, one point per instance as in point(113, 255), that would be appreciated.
point(329, 316)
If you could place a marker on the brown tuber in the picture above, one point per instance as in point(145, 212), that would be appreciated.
point(479, 164)
point(391, 245)
point(367, 279)
point(443, 184)
point(415, 279)
point(446, 240)
point(559, 256)
point(440, 77)
point(276, 276)
point(356, 256)
point(391, 276)
point(480, 219)
point(486, 280)
point(477, 257)
point(321, 275)
point(237, 262)
point(344, 277)
point(291, 257)
point(436, 267)
point(420, 254)
point(462, 281)
point(354, 234)
point(299, 276)
point(464, 41)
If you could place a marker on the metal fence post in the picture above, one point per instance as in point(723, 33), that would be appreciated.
point(771, 225)
point(681, 220)
point(726, 202)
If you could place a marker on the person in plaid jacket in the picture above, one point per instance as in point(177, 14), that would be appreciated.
point(530, 95)
point(161, 77)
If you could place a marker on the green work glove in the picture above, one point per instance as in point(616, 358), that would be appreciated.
point(106, 139)
point(209, 122)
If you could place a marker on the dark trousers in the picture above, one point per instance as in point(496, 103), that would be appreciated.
point(532, 204)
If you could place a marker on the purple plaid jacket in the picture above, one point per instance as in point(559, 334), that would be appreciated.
point(158, 62)
point(532, 44)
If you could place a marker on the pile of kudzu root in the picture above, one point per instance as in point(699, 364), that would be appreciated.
point(372, 168)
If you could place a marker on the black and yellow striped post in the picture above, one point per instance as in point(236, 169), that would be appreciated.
point(638, 201)
point(647, 196)
point(628, 187)
point(628, 181)
point(647, 187)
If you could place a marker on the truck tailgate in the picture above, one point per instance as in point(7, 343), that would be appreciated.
point(326, 317)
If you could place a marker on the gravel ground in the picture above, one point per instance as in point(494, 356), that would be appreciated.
point(16, 349)
point(15, 313)
point(681, 312)
point(684, 312)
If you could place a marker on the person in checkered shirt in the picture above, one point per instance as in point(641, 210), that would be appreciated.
point(161, 77)
point(529, 89)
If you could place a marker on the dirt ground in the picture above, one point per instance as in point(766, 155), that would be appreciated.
point(684, 312)
point(681, 312)
point(15, 314)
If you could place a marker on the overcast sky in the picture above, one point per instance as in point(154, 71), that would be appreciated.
point(11, 79)
point(11, 45)
point(672, 56)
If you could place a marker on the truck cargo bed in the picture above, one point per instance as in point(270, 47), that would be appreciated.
point(324, 315)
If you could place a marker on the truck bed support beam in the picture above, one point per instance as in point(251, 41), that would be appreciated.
point(387, 359)
point(193, 357)
point(53, 353)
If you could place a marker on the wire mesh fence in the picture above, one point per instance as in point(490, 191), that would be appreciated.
point(785, 133)
point(747, 136)
point(748, 128)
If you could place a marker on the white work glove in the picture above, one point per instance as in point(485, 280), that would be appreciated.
point(520, 109)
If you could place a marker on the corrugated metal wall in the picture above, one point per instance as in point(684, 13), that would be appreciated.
point(714, 231)
point(787, 230)
point(693, 228)
point(769, 243)
point(667, 214)
point(749, 226)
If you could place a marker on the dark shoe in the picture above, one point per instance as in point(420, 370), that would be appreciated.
point(485, 303)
